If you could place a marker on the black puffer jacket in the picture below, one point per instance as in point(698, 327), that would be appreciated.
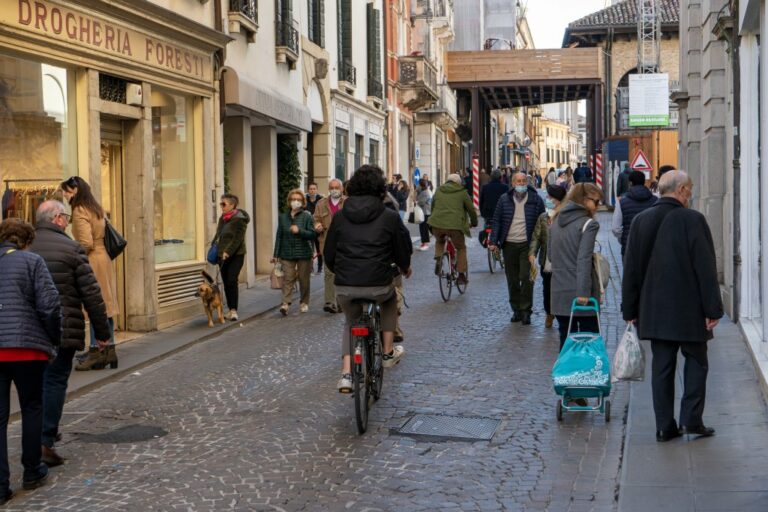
point(76, 283)
point(30, 315)
point(364, 241)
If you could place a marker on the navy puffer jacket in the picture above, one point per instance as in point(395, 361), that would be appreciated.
point(638, 199)
point(505, 211)
point(30, 314)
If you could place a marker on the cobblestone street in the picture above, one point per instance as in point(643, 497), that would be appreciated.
point(252, 420)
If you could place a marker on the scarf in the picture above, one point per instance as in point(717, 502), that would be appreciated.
point(229, 215)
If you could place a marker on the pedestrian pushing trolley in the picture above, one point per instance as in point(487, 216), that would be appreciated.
point(582, 370)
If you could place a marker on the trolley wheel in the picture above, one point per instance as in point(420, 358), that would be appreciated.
point(559, 410)
point(607, 410)
point(445, 278)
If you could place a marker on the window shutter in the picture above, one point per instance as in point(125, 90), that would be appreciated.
point(311, 20)
point(371, 23)
point(346, 16)
point(320, 22)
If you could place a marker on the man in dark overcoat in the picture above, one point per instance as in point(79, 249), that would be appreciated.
point(671, 292)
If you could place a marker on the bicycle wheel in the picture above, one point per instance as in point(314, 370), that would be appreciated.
point(499, 259)
point(445, 278)
point(491, 260)
point(377, 368)
point(361, 388)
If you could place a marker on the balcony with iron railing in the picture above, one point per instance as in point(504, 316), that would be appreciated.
point(442, 113)
point(347, 74)
point(375, 87)
point(287, 41)
point(418, 82)
point(243, 15)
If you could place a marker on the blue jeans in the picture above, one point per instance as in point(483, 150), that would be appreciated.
point(111, 334)
point(55, 393)
point(27, 376)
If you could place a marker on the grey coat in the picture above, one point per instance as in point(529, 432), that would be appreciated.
point(570, 252)
point(424, 200)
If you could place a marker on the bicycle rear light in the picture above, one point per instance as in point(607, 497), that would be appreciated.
point(359, 331)
point(358, 357)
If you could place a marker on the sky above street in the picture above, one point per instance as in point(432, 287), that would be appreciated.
point(548, 18)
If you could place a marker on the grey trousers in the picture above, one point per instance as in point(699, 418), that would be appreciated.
point(385, 296)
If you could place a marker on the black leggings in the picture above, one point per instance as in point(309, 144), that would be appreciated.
point(580, 324)
point(230, 270)
point(424, 230)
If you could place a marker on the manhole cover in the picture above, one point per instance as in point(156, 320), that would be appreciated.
point(127, 434)
point(450, 427)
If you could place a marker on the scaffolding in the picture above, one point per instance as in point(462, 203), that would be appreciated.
point(648, 35)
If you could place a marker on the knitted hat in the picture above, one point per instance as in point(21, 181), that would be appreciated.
point(556, 192)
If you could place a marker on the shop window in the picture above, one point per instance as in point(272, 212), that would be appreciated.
point(173, 163)
point(342, 141)
point(38, 139)
point(359, 151)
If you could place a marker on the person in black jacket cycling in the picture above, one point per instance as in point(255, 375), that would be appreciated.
point(77, 286)
point(365, 241)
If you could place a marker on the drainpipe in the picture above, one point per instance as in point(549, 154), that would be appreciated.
point(386, 12)
point(735, 70)
point(609, 92)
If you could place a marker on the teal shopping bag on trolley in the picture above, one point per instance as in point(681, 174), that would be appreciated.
point(583, 362)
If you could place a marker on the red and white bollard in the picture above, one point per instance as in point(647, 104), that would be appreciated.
point(476, 181)
point(599, 169)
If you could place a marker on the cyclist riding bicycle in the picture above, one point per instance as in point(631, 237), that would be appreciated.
point(366, 245)
point(489, 196)
point(452, 214)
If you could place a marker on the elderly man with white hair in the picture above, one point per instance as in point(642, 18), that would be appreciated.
point(325, 209)
point(671, 292)
point(452, 215)
point(78, 290)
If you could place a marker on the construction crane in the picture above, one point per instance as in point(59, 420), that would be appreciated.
point(648, 35)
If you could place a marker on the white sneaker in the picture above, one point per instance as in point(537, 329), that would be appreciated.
point(233, 315)
point(304, 308)
point(390, 360)
point(345, 383)
point(424, 247)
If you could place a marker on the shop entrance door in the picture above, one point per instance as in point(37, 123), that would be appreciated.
point(112, 198)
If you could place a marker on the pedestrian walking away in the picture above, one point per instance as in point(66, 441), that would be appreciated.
point(512, 229)
point(424, 201)
point(572, 243)
point(89, 222)
point(583, 174)
point(622, 181)
point(78, 289)
point(677, 304)
point(540, 246)
point(452, 216)
point(637, 199)
point(294, 246)
point(230, 241)
point(364, 242)
point(312, 199)
point(323, 215)
point(30, 332)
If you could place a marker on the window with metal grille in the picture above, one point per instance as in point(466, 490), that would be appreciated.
point(112, 88)
point(316, 25)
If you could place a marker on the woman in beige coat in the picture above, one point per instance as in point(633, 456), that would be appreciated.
point(88, 226)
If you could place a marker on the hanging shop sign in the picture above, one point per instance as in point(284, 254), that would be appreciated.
point(649, 100)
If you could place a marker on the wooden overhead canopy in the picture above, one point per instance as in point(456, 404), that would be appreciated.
point(517, 78)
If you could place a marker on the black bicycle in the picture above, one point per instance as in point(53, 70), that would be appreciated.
point(367, 363)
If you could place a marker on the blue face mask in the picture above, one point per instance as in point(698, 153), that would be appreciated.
point(549, 204)
point(520, 189)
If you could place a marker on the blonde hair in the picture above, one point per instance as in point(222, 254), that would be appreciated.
point(296, 192)
point(581, 192)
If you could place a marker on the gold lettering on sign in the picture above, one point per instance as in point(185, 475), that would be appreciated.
point(69, 25)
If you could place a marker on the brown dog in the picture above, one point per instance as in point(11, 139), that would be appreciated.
point(210, 294)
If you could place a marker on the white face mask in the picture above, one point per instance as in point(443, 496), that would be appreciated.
point(295, 205)
point(334, 193)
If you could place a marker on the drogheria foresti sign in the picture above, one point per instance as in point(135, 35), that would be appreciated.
point(108, 36)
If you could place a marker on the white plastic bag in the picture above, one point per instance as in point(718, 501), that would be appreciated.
point(418, 214)
point(629, 360)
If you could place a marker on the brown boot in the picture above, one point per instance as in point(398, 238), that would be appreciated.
point(549, 321)
point(96, 360)
point(110, 357)
point(51, 458)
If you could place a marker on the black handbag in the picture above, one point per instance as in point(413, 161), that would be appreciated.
point(113, 241)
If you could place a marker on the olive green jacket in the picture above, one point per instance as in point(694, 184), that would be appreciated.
point(230, 235)
point(452, 209)
point(540, 239)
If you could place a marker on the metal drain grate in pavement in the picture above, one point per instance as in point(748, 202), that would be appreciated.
point(450, 427)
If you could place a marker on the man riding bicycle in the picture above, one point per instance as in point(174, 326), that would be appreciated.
point(452, 214)
point(365, 246)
